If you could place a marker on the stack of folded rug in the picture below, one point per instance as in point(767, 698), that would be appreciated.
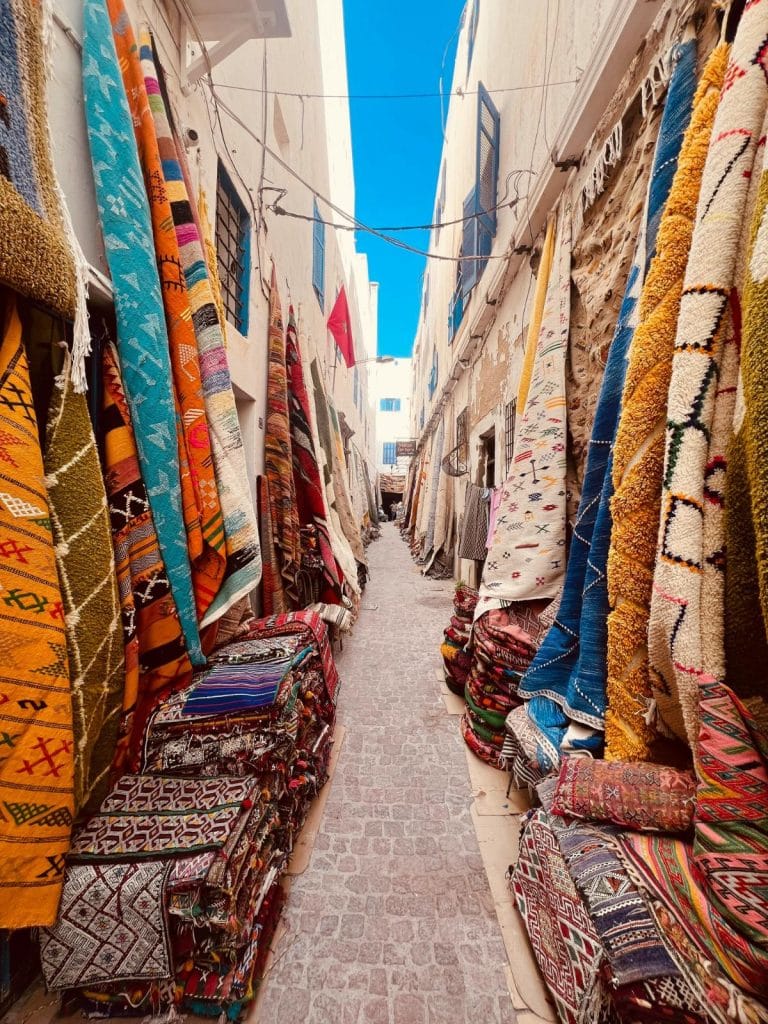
point(612, 944)
point(457, 659)
point(504, 643)
point(172, 891)
point(596, 942)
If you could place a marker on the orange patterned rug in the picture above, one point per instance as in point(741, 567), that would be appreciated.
point(36, 742)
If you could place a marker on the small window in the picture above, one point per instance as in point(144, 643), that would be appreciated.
point(509, 433)
point(440, 212)
point(389, 405)
point(472, 32)
point(390, 453)
point(432, 384)
point(318, 256)
point(461, 435)
point(233, 250)
point(456, 305)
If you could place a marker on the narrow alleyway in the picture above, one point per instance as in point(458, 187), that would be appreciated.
point(393, 921)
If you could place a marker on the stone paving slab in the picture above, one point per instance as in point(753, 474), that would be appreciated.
point(393, 921)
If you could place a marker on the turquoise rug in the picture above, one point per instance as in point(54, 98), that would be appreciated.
point(141, 333)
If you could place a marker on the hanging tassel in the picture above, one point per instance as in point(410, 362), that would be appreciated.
point(656, 81)
point(608, 158)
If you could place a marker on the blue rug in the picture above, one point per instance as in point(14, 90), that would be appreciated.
point(141, 332)
point(566, 682)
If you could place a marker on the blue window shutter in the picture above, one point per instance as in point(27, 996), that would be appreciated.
point(318, 256)
point(487, 175)
point(389, 456)
point(469, 268)
point(455, 313)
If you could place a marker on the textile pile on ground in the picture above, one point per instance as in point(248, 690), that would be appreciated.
point(504, 641)
point(172, 891)
point(457, 659)
point(606, 961)
point(643, 881)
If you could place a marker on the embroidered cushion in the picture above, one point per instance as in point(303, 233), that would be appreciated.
point(642, 797)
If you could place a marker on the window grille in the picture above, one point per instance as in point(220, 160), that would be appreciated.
point(389, 405)
point(389, 457)
point(233, 242)
point(462, 439)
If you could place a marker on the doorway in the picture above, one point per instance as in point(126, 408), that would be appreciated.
point(488, 451)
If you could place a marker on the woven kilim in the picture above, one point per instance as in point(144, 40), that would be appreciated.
point(443, 532)
point(634, 795)
point(200, 497)
point(255, 650)
point(639, 448)
point(336, 490)
point(730, 850)
point(148, 816)
point(86, 565)
point(569, 672)
point(111, 926)
point(434, 488)
point(227, 689)
point(35, 258)
point(278, 454)
point(665, 870)
point(342, 550)
point(677, 616)
point(349, 524)
point(297, 622)
point(308, 485)
point(617, 909)
point(272, 594)
point(211, 260)
point(36, 766)
point(141, 333)
point(243, 568)
point(526, 559)
point(155, 654)
point(563, 937)
point(423, 516)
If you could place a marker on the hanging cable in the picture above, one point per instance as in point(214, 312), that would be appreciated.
point(355, 224)
point(393, 96)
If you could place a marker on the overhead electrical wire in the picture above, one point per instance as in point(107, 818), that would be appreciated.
point(392, 96)
point(276, 208)
point(355, 223)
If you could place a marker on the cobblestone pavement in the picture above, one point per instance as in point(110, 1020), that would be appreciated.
point(393, 921)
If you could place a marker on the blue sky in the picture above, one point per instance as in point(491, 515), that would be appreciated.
point(397, 46)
